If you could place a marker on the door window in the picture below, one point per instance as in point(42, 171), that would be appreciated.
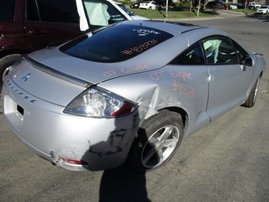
point(191, 56)
point(7, 9)
point(219, 50)
point(31, 11)
point(64, 11)
point(241, 53)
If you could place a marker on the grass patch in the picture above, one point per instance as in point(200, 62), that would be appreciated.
point(246, 11)
point(154, 14)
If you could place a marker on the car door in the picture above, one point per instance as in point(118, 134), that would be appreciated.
point(229, 80)
point(189, 75)
point(11, 26)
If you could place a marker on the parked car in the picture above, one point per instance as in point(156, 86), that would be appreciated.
point(225, 6)
point(241, 6)
point(233, 6)
point(30, 25)
point(135, 5)
point(214, 5)
point(128, 11)
point(253, 5)
point(150, 5)
point(100, 100)
point(264, 9)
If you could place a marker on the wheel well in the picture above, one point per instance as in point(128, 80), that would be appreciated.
point(180, 111)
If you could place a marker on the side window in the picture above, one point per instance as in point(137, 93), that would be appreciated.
point(219, 50)
point(192, 56)
point(102, 13)
point(58, 11)
point(7, 9)
point(241, 53)
point(31, 11)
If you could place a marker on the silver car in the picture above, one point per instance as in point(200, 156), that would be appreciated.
point(129, 93)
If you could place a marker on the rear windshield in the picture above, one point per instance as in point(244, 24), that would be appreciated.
point(7, 9)
point(116, 43)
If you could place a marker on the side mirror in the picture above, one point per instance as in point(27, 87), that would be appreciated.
point(247, 61)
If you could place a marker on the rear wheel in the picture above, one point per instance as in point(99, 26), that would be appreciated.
point(157, 141)
point(6, 62)
point(250, 102)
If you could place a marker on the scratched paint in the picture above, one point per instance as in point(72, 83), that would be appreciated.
point(75, 150)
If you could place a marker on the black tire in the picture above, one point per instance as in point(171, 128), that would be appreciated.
point(250, 102)
point(157, 141)
point(6, 62)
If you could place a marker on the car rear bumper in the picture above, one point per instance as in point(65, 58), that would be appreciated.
point(72, 142)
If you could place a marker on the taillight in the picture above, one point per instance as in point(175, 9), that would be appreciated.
point(97, 102)
point(76, 162)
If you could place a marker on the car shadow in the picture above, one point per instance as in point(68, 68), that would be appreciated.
point(119, 184)
point(259, 16)
point(122, 185)
point(211, 11)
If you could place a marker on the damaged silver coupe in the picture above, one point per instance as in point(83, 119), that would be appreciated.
point(130, 92)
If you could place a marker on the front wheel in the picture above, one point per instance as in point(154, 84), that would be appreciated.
point(250, 102)
point(157, 141)
point(6, 62)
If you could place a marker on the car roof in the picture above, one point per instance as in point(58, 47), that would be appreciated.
point(185, 35)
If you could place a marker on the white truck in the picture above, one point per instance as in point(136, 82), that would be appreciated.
point(253, 5)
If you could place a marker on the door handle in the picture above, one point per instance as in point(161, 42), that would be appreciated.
point(37, 32)
point(209, 78)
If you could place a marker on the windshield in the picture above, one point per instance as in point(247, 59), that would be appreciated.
point(115, 43)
